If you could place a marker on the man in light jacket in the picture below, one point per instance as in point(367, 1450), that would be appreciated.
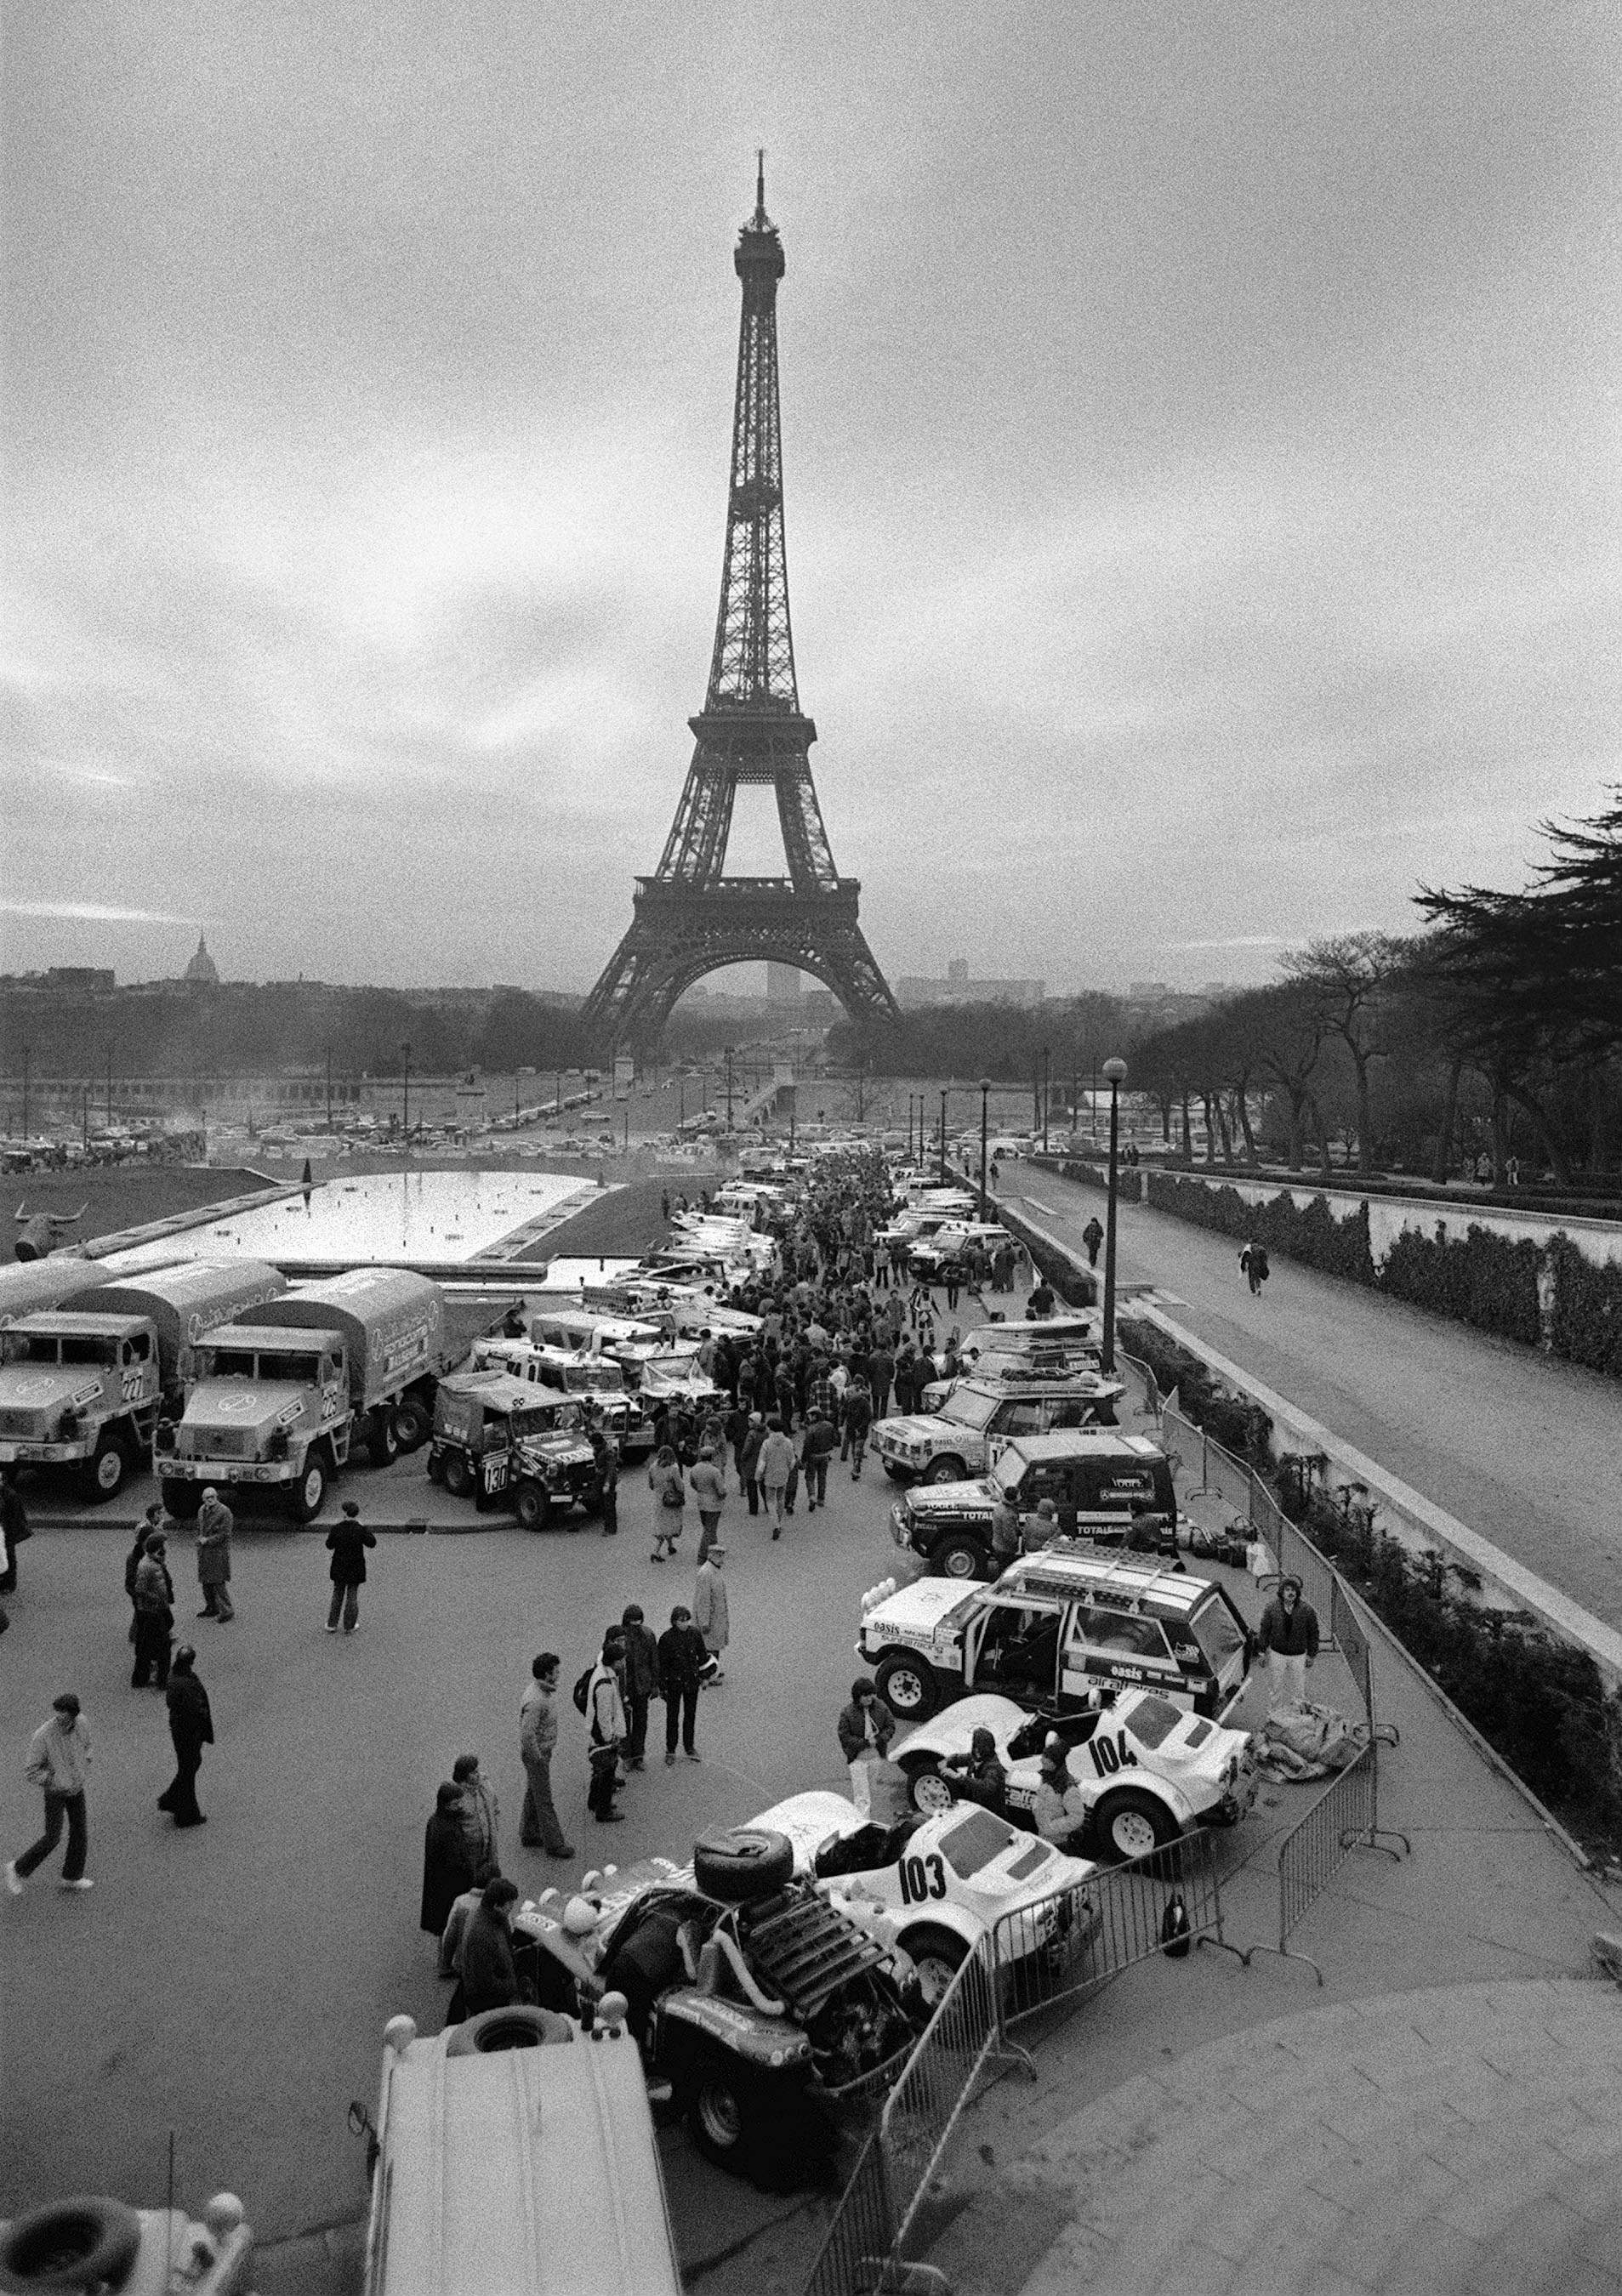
point(606, 1728)
point(710, 1606)
point(58, 1764)
point(539, 1826)
point(772, 1470)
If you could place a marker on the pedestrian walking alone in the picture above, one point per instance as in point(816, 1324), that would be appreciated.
point(154, 1594)
point(539, 1826)
point(709, 1607)
point(605, 1729)
point(1253, 1260)
point(639, 1680)
point(348, 1543)
point(777, 1457)
point(1092, 1236)
point(191, 1728)
point(857, 1412)
point(59, 1764)
point(214, 1525)
point(708, 1486)
point(667, 1485)
point(817, 1447)
point(608, 1471)
point(682, 1659)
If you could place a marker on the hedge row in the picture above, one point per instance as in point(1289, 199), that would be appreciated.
point(1586, 1324)
point(1480, 1278)
point(1540, 1703)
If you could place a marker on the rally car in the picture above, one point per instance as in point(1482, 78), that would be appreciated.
point(941, 1879)
point(1098, 1479)
point(985, 1413)
point(1148, 1770)
point(760, 2005)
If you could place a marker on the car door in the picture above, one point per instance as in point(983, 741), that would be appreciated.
point(1103, 1644)
point(1020, 1416)
point(1012, 1647)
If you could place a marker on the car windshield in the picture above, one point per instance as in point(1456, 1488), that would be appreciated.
point(964, 1408)
point(1218, 1633)
point(1153, 1720)
point(980, 1837)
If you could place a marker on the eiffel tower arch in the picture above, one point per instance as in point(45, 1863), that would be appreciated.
point(689, 917)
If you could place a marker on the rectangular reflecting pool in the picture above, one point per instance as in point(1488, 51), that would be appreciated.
point(382, 1218)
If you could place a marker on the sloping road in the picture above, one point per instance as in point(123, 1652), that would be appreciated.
point(1525, 1449)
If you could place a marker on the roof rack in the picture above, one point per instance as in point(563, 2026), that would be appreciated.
point(1135, 1582)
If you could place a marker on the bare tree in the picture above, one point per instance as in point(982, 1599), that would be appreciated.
point(1345, 978)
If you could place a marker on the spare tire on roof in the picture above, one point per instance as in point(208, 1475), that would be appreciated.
point(742, 1863)
point(518, 2027)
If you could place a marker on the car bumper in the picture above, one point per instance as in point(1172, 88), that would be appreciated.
point(23, 1454)
point(227, 1471)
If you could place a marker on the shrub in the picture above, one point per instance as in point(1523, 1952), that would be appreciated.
point(1310, 1233)
point(1587, 1318)
point(1483, 1280)
point(1233, 1421)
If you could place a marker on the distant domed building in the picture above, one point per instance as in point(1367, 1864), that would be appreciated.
point(202, 973)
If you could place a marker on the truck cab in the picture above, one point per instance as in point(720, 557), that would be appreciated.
point(78, 1392)
point(597, 1382)
point(503, 1442)
point(270, 1410)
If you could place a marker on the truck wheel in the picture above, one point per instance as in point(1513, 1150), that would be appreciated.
point(382, 1443)
point(1131, 1824)
point(413, 1423)
point(436, 1467)
point(103, 1476)
point(938, 1955)
point(182, 1500)
point(531, 1506)
point(69, 2244)
point(959, 1556)
point(907, 1686)
point(458, 1474)
point(310, 1488)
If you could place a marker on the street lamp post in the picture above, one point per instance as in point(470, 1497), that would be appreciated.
point(728, 1088)
point(985, 1096)
point(943, 1139)
point(1114, 1072)
point(1046, 1096)
point(404, 1114)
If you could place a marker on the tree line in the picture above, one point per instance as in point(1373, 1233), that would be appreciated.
point(1495, 1030)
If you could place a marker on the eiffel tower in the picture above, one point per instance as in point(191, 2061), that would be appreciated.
point(689, 917)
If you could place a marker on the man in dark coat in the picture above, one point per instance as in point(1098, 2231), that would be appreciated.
point(641, 1679)
point(489, 1979)
point(1092, 1236)
point(14, 1528)
point(349, 1543)
point(448, 1865)
point(191, 1727)
point(682, 1657)
point(154, 1594)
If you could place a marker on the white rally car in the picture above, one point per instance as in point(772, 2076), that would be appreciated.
point(1148, 1770)
point(934, 1885)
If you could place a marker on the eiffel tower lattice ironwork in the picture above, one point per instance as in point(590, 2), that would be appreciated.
point(689, 917)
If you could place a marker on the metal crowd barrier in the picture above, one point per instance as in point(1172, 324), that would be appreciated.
point(923, 2107)
point(854, 2258)
point(1346, 1817)
point(1065, 1946)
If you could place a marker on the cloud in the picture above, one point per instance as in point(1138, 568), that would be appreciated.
point(93, 912)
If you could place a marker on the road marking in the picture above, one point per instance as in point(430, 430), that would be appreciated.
point(1604, 1642)
point(1046, 1211)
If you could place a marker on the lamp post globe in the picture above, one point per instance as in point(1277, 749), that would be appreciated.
point(1115, 1075)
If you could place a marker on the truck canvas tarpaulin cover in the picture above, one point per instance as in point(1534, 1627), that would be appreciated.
point(393, 1325)
point(30, 1285)
point(183, 1302)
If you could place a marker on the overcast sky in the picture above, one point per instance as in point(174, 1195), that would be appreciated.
point(1200, 444)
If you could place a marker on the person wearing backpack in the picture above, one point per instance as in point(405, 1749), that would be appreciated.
point(1253, 1260)
point(667, 1485)
point(604, 1708)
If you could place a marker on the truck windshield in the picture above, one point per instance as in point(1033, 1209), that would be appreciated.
point(227, 1363)
point(82, 1349)
point(964, 1408)
point(28, 1347)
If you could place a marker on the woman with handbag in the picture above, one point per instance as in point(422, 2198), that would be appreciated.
point(667, 1485)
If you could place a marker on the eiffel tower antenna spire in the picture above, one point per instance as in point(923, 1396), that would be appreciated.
point(689, 918)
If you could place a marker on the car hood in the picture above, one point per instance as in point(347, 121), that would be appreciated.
point(921, 1607)
point(915, 1428)
point(978, 1495)
point(951, 1730)
point(808, 1820)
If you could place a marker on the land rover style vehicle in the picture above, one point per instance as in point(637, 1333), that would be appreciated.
point(516, 2151)
point(978, 1418)
point(764, 2008)
point(597, 1382)
point(1097, 1477)
point(932, 1255)
point(1053, 1630)
point(82, 1389)
point(503, 1442)
point(1148, 1770)
point(1049, 1357)
point(940, 1879)
point(277, 1402)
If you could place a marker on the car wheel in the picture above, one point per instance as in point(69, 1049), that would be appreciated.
point(896, 1474)
point(907, 1687)
point(929, 1792)
point(383, 1442)
point(721, 2106)
point(1131, 1824)
point(67, 2244)
point(458, 1474)
point(104, 1475)
point(531, 1506)
point(959, 1556)
point(945, 1471)
point(310, 1488)
point(182, 1500)
point(937, 1955)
